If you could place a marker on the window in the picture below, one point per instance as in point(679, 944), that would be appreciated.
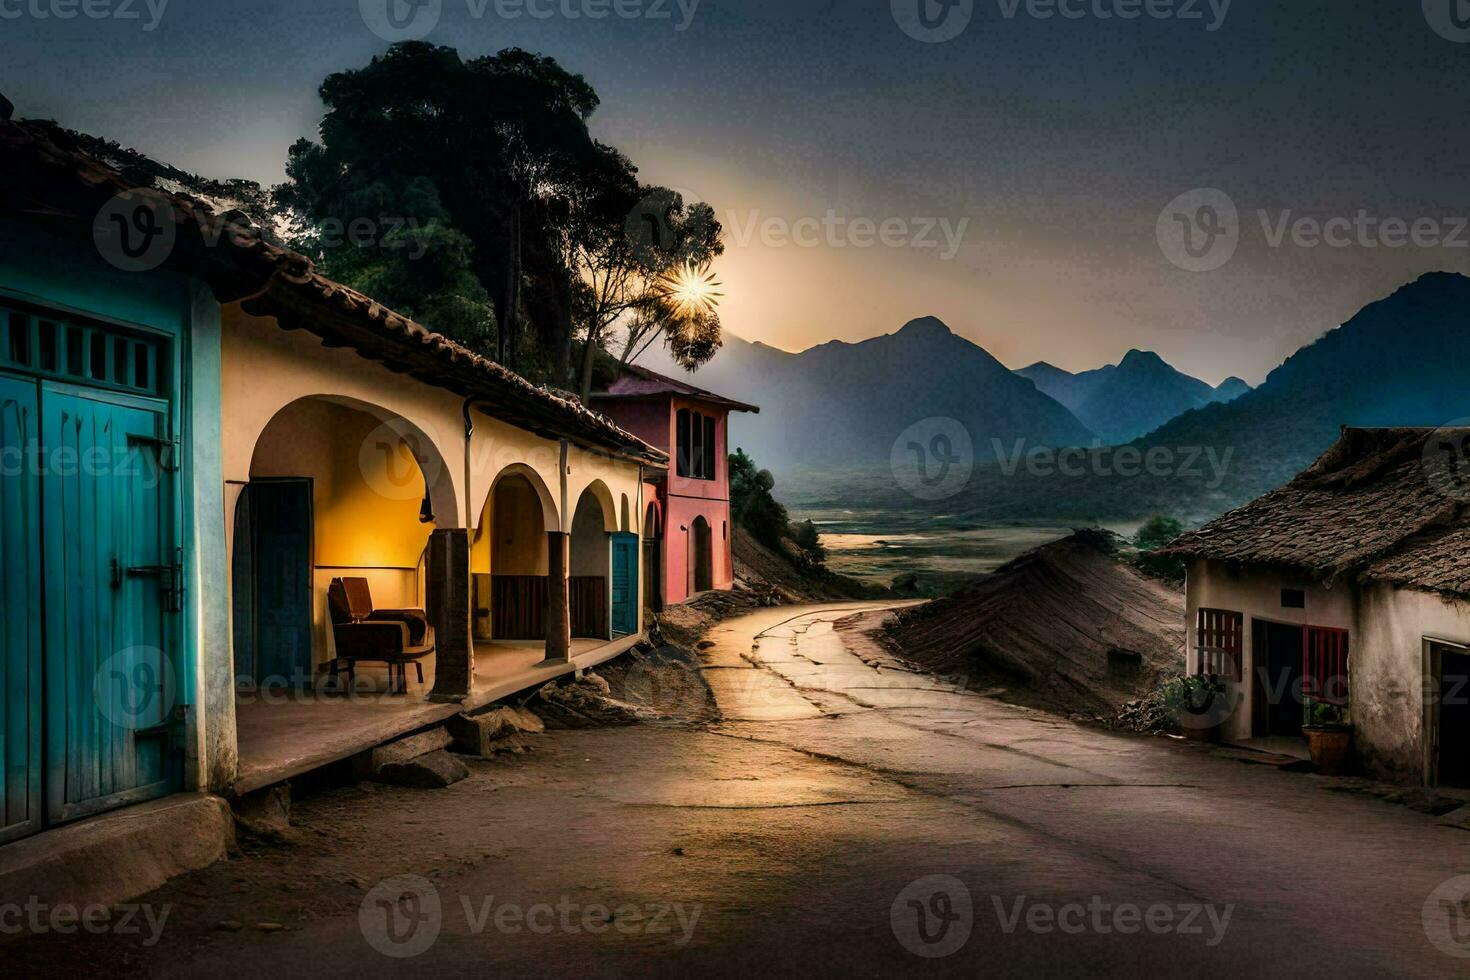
point(709, 447)
point(34, 340)
point(1219, 642)
point(1293, 599)
point(685, 441)
point(697, 445)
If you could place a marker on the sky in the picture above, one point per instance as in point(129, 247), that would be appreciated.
point(1057, 180)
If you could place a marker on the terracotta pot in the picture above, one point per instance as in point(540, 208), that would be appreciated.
point(1330, 748)
point(1197, 734)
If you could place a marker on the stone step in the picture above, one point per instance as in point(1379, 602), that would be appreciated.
point(410, 748)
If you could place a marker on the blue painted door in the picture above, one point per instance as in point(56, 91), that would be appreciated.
point(273, 646)
point(624, 584)
point(112, 585)
point(20, 604)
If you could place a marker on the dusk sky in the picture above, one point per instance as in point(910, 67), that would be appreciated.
point(1041, 151)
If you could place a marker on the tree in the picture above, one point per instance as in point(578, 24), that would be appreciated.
point(1156, 532)
point(808, 544)
point(475, 152)
point(626, 260)
point(752, 504)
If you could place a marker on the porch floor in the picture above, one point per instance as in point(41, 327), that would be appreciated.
point(282, 735)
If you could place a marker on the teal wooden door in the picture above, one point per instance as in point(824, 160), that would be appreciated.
point(20, 602)
point(112, 582)
point(624, 584)
point(273, 584)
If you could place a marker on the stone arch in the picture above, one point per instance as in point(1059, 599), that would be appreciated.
point(549, 515)
point(604, 498)
point(392, 434)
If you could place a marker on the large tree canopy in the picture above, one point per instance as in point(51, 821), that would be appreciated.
point(471, 195)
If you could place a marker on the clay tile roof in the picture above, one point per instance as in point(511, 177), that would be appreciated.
point(47, 181)
point(1381, 505)
point(638, 382)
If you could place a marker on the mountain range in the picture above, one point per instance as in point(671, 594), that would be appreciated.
point(1123, 401)
point(853, 400)
point(838, 407)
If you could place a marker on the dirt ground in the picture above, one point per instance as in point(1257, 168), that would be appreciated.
point(846, 816)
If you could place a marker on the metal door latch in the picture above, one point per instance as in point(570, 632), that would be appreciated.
point(170, 580)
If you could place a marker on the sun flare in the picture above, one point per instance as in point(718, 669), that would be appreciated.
point(692, 289)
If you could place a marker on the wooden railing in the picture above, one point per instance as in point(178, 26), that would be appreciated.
point(518, 607)
point(588, 596)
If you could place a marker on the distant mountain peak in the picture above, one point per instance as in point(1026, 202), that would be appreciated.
point(1142, 358)
point(926, 325)
point(1042, 367)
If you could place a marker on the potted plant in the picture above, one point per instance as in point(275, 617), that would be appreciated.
point(1329, 736)
point(1196, 702)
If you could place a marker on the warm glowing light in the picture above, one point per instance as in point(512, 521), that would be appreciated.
point(692, 290)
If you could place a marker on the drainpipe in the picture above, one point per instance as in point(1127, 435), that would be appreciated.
point(565, 453)
point(469, 432)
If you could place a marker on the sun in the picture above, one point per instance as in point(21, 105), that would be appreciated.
point(693, 290)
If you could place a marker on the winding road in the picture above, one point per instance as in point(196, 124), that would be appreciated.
point(846, 817)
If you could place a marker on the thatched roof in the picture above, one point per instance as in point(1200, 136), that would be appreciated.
point(1380, 505)
point(47, 181)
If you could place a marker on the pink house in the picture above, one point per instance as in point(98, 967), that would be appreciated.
point(686, 541)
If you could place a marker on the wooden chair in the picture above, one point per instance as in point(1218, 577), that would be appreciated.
point(396, 637)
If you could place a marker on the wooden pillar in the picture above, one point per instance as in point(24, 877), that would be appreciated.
point(448, 599)
point(558, 604)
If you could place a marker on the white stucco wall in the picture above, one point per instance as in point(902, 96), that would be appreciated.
point(1256, 593)
point(1388, 631)
point(1391, 695)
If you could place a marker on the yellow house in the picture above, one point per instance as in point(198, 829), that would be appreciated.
point(237, 479)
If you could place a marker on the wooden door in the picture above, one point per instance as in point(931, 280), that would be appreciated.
point(20, 605)
point(276, 639)
point(624, 584)
point(113, 581)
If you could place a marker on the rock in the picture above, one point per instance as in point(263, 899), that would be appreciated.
point(265, 813)
point(407, 749)
point(582, 704)
point(269, 927)
point(433, 771)
point(597, 681)
point(505, 729)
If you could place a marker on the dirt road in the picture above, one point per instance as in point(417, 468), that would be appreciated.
point(847, 817)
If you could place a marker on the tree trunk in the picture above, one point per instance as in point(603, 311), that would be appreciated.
point(561, 291)
point(589, 358)
point(510, 321)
